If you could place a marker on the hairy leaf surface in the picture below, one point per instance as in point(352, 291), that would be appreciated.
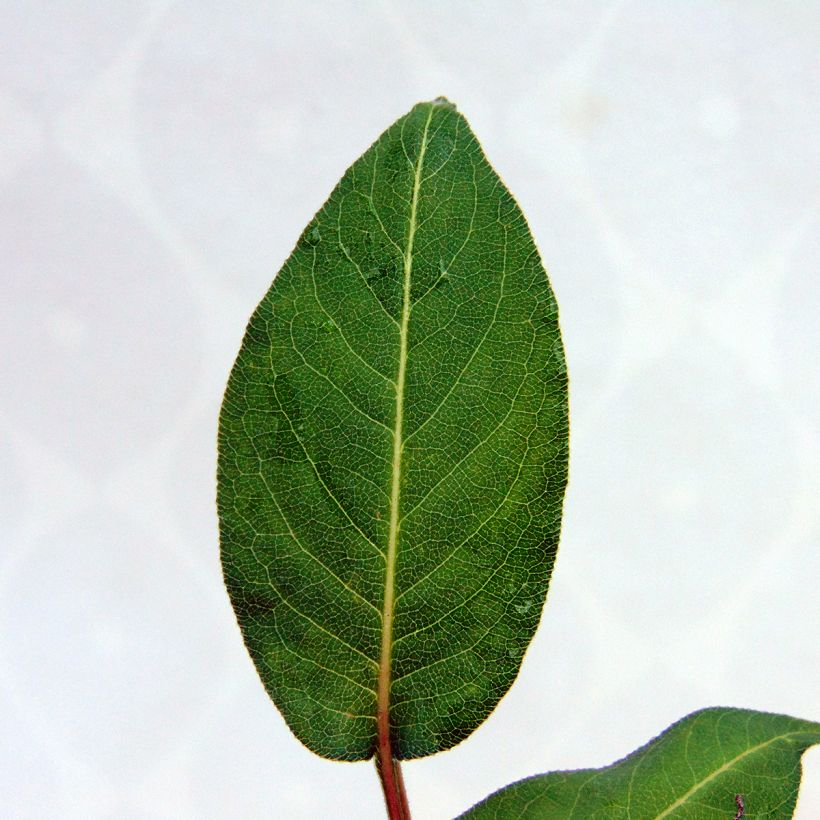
point(715, 764)
point(393, 448)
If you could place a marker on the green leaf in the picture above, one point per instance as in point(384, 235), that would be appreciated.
point(708, 765)
point(393, 449)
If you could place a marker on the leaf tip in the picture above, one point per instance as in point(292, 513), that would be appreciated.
point(443, 102)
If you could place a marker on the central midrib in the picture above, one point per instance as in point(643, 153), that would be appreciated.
point(383, 695)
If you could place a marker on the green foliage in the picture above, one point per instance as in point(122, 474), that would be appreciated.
point(393, 449)
point(392, 464)
point(705, 766)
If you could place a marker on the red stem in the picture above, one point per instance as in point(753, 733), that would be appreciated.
point(390, 775)
point(402, 791)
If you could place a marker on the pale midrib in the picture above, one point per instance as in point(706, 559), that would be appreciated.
point(385, 661)
point(716, 773)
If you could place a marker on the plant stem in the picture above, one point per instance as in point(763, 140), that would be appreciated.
point(402, 791)
point(390, 775)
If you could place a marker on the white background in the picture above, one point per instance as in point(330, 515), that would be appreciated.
point(158, 161)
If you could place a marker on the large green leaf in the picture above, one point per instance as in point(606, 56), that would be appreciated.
point(393, 448)
point(714, 764)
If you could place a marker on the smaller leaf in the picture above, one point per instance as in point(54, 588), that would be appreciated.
point(717, 763)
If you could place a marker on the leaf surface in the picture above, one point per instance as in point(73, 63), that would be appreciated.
point(717, 763)
point(393, 449)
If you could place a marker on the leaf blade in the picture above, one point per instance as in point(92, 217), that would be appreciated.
point(399, 398)
point(695, 769)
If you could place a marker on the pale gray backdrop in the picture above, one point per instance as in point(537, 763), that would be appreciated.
point(158, 161)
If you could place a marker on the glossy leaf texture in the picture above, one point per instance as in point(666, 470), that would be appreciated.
point(393, 451)
point(715, 764)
